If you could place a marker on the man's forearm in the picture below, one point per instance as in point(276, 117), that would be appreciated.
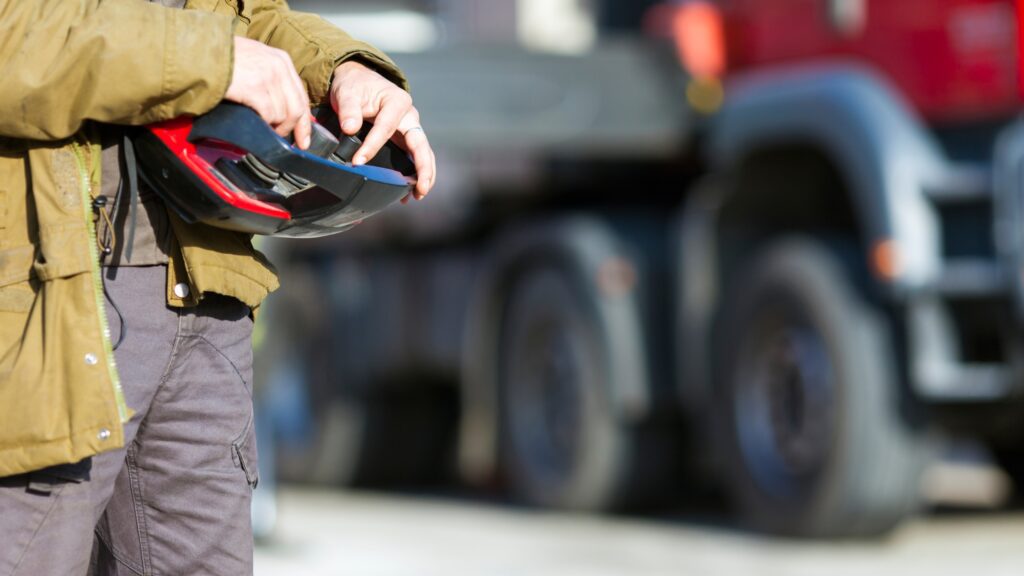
point(116, 61)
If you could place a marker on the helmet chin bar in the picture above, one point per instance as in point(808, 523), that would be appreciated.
point(229, 169)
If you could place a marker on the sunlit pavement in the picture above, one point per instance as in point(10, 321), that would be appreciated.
point(340, 533)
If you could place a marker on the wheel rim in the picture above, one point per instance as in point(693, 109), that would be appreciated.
point(544, 395)
point(560, 450)
point(784, 403)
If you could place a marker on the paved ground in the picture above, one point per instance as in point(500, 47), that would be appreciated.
point(324, 533)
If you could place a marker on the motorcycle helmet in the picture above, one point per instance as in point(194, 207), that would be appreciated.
point(228, 168)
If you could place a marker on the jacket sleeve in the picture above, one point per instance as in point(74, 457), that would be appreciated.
point(116, 61)
point(316, 46)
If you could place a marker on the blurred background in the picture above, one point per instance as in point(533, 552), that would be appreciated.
point(705, 287)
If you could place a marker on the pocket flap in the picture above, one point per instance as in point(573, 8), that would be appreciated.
point(16, 264)
point(63, 251)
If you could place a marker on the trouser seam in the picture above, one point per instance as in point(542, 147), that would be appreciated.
point(166, 374)
point(247, 385)
point(53, 503)
point(135, 481)
point(134, 477)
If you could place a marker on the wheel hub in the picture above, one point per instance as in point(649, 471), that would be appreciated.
point(545, 394)
point(784, 400)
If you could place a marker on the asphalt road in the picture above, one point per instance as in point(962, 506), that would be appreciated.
point(323, 533)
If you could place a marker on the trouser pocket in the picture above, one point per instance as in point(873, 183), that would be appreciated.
point(245, 455)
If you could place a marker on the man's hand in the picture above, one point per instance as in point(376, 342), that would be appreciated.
point(359, 93)
point(265, 80)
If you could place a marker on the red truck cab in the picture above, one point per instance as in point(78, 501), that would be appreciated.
point(955, 60)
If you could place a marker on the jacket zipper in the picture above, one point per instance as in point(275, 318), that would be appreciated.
point(108, 347)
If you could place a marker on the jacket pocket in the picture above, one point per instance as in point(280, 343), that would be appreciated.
point(18, 293)
point(16, 301)
point(16, 264)
point(17, 298)
point(63, 251)
point(13, 186)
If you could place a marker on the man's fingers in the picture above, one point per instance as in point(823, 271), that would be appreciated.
point(349, 95)
point(292, 98)
point(298, 103)
point(423, 157)
point(265, 79)
point(385, 124)
point(350, 114)
point(304, 131)
point(277, 97)
point(278, 113)
point(293, 76)
point(358, 92)
point(413, 138)
point(275, 109)
point(297, 121)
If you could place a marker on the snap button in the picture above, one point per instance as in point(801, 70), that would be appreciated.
point(181, 290)
point(104, 434)
point(91, 359)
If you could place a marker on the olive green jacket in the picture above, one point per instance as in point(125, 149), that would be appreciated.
point(68, 66)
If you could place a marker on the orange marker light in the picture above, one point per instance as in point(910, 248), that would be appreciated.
point(699, 34)
point(697, 29)
point(885, 264)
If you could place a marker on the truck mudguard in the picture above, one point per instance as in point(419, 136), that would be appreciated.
point(881, 148)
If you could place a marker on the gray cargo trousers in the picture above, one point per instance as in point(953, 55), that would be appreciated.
point(176, 499)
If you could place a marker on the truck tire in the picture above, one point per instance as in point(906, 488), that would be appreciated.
point(809, 401)
point(337, 424)
point(332, 436)
point(562, 444)
point(1011, 460)
point(398, 437)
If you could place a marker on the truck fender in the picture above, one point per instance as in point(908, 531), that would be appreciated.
point(580, 245)
point(883, 151)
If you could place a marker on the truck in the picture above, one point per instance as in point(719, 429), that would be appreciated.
point(770, 246)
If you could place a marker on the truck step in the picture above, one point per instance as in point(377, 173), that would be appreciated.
point(964, 184)
point(970, 278)
point(951, 382)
